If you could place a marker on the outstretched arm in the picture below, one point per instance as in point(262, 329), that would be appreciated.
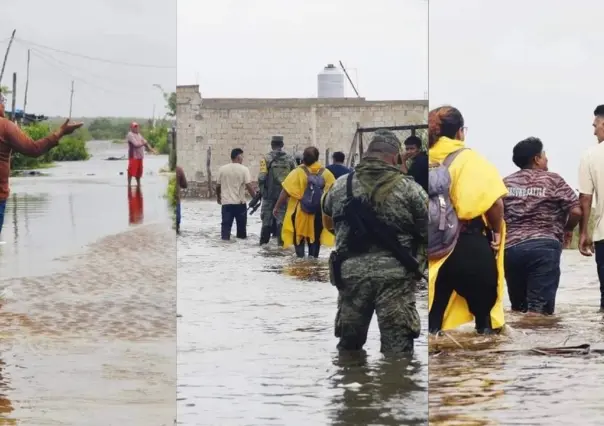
point(19, 142)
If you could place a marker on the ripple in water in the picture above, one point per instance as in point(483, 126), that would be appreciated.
point(256, 333)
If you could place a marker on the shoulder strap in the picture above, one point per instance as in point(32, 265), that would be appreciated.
point(349, 185)
point(451, 157)
point(321, 170)
point(270, 163)
point(306, 170)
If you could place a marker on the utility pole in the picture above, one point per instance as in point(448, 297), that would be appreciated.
point(13, 114)
point(10, 43)
point(71, 99)
point(26, 84)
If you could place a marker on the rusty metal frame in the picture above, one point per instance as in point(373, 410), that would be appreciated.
point(357, 141)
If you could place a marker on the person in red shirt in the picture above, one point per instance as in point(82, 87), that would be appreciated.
point(136, 153)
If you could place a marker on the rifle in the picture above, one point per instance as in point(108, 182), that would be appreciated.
point(255, 203)
point(366, 229)
point(383, 236)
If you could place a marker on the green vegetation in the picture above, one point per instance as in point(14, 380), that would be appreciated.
point(157, 138)
point(171, 191)
point(116, 129)
point(109, 128)
point(71, 148)
point(171, 196)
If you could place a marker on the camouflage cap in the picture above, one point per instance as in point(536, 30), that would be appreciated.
point(277, 138)
point(384, 137)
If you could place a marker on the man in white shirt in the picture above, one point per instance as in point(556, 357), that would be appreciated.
point(591, 184)
point(232, 181)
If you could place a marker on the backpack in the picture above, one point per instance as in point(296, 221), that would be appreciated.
point(311, 199)
point(443, 224)
point(278, 169)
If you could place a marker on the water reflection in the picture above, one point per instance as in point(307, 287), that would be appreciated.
point(379, 393)
point(511, 379)
point(85, 313)
point(135, 206)
point(6, 405)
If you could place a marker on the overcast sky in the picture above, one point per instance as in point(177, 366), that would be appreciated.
point(517, 69)
point(276, 48)
point(133, 31)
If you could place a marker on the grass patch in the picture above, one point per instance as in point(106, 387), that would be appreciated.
point(171, 195)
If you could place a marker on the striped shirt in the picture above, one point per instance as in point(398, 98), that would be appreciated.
point(136, 145)
point(537, 206)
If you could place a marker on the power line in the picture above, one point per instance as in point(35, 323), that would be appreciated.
point(91, 58)
point(48, 62)
point(70, 66)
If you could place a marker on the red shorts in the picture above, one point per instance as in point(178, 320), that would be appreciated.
point(135, 168)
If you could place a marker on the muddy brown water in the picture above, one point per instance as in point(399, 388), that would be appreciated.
point(472, 386)
point(88, 279)
point(256, 344)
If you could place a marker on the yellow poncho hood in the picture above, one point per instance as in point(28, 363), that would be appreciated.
point(475, 186)
point(295, 185)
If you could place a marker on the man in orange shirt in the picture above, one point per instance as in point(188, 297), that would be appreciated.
point(12, 138)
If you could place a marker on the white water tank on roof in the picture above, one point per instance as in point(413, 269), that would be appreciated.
point(331, 83)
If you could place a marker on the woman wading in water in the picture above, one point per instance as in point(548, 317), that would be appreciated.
point(467, 283)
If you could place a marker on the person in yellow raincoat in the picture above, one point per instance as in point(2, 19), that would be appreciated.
point(468, 283)
point(299, 227)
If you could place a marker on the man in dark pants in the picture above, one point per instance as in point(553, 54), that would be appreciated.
point(539, 210)
point(418, 169)
point(337, 168)
point(232, 181)
point(591, 182)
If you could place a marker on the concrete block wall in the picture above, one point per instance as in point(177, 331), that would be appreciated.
point(224, 124)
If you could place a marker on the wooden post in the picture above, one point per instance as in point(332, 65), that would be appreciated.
point(10, 43)
point(360, 140)
point(26, 84)
point(13, 116)
point(71, 99)
point(209, 171)
point(353, 148)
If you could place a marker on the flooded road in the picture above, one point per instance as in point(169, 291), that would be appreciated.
point(88, 278)
point(476, 387)
point(256, 344)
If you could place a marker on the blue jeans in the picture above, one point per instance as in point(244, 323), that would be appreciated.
point(532, 272)
point(236, 213)
point(599, 245)
point(2, 209)
point(178, 216)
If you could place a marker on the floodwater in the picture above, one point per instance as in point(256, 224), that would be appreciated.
point(476, 386)
point(256, 344)
point(88, 278)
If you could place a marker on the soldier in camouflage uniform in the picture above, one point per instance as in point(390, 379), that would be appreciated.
point(274, 168)
point(375, 280)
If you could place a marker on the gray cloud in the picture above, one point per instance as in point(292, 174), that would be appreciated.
point(133, 31)
point(275, 48)
point(519, 69)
